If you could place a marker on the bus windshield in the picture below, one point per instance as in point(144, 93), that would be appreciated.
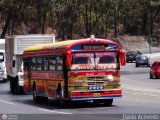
point(94, 60)
point(107, 59)
point(81, 60)
point(1, 57)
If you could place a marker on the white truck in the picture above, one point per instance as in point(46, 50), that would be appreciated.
point(14, 47)
point(3, 74)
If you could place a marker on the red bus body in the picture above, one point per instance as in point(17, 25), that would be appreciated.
point(86, 69)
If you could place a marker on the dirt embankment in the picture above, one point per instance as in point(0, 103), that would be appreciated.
point(132, 42)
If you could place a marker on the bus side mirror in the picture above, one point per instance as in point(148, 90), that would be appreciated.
point(69, 59)
point(123, 57)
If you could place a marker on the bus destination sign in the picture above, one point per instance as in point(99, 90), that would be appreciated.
point(93, 47)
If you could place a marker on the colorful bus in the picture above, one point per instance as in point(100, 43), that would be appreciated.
point(74, 70)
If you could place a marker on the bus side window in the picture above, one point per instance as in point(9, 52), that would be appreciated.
point(59, 63)
point(52, 63)
point(33, 63)
point(39, 63)
point(45, 63)
point(26, 65)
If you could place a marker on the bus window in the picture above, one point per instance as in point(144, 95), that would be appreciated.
point(59, 63)
point(107, 59)
point(1, 57)
point(26, 65)
point(33, 63)
point(39, 63)
point(81, 60)
point(52, 63)
point(45, 62)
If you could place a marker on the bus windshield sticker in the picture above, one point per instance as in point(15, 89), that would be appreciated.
point(83, 55)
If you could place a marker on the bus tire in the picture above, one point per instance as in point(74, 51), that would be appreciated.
point(61, 101)
point(108, 102)
point(97, 101)
point(36, 98)
point(44, 99)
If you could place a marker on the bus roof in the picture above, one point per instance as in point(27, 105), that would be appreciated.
point(67, 44)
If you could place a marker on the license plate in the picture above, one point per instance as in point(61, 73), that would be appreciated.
point(96, 95)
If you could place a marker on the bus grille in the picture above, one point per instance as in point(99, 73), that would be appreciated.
point(95, 78)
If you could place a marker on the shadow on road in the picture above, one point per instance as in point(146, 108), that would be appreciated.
point(51, 104)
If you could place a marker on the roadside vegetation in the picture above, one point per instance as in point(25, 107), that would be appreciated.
point(71, 19)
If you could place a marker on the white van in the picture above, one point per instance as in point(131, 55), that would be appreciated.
point(3, 74)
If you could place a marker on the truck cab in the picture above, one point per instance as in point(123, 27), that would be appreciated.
point(21, 79)
point(14, 47)
point(3, 74)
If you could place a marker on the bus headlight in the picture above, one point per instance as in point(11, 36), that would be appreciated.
point(110, 77)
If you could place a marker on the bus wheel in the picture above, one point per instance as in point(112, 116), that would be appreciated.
point(97, 101)
point(36, 98)
point(61, 101)
point(108, 102)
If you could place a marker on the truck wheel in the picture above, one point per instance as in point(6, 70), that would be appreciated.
point(11, 86)
point(16, 85)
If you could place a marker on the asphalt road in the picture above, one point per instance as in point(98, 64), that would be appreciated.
point(141, 95)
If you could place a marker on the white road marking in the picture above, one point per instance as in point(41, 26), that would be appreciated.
point(142, 92)
point(7, 102)
point(53, 111)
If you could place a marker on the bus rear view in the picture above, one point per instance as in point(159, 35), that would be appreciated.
point(74, 70)
point(94, 73)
